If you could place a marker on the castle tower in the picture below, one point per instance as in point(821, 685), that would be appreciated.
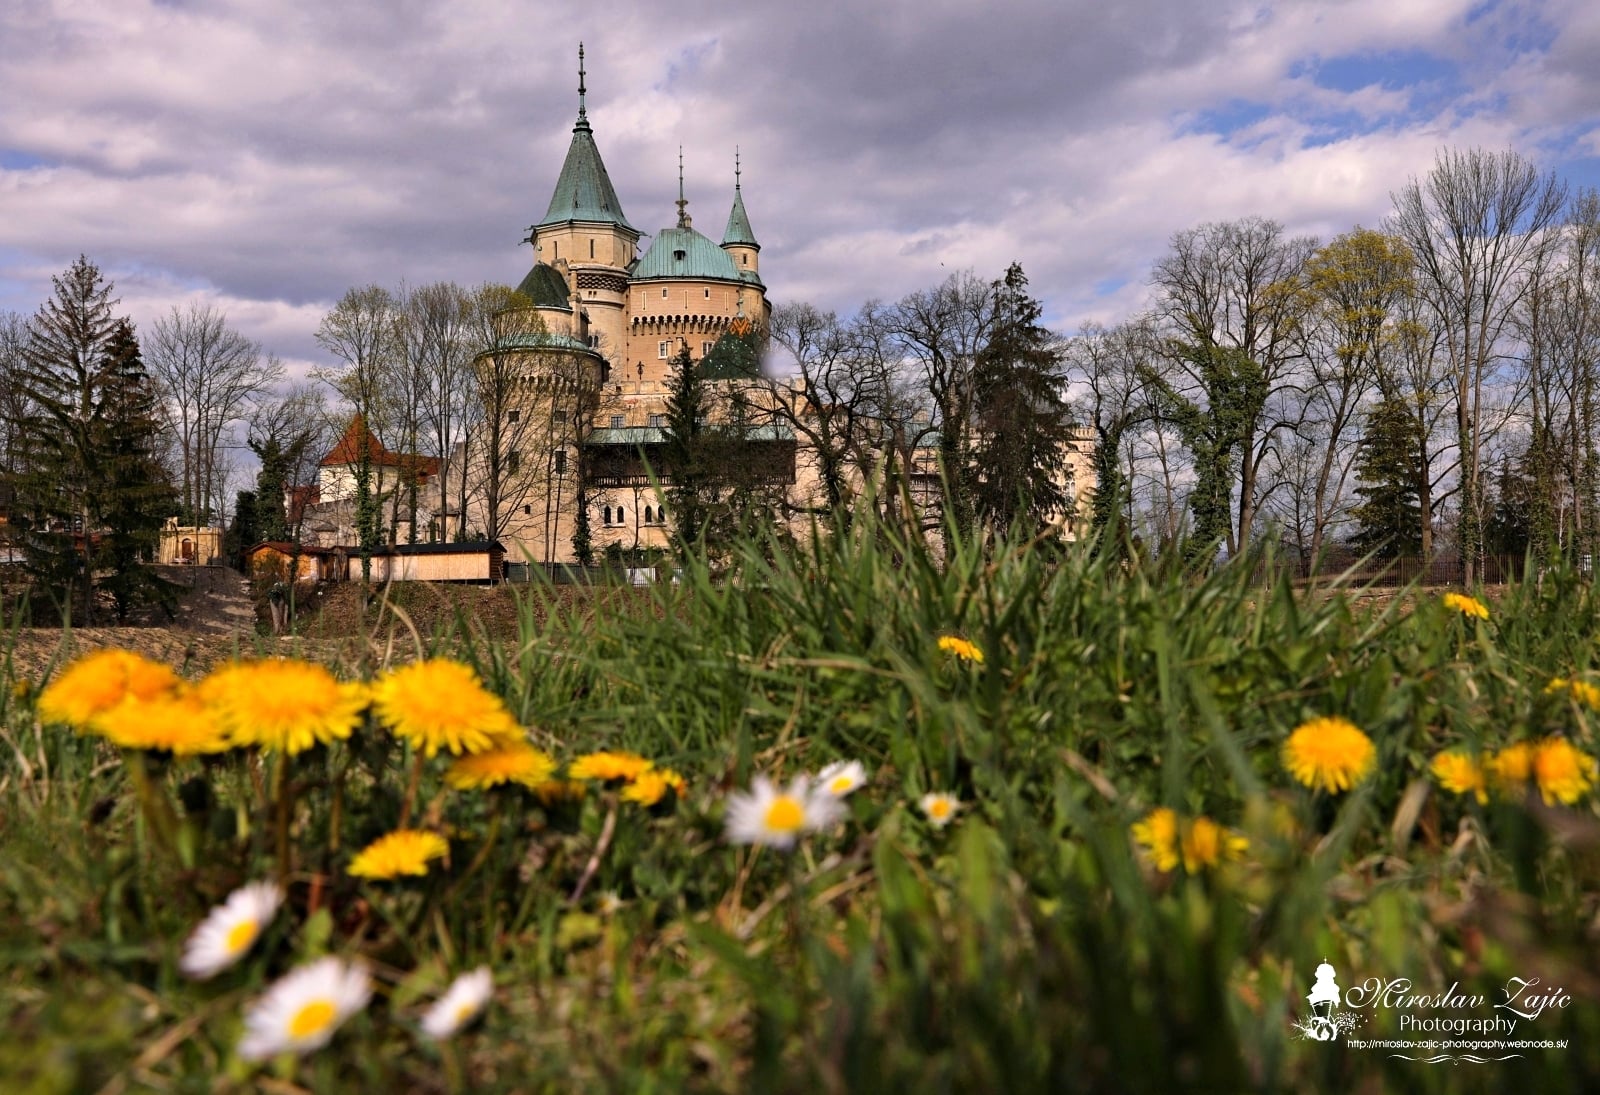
point(587, 240)
point(737, 239)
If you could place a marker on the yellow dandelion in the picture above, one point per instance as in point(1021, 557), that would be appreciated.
point(175, 723)
point(650, 787)
point(1512, 767)
point(1563, 772)
point(607, 766)
point(1582, 692)
point(97, 682)
point(1207, 844)
point(441, 704)
point(283, 705)
point(961, 648)
point(1329, 753)
point(1158, 834)
point(553, 792)
point(1461, 775)
point(404, 851)
point(515, 763)
point(1467, 606)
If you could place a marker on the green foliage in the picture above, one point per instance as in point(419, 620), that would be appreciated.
point(1025, 947)
point(1389, 517)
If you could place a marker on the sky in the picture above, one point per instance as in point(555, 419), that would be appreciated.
point(267, 155)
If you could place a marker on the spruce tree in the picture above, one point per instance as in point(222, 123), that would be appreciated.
point(1023, 425)
point(131, 496)
point(691, 480)
point(1389, 516)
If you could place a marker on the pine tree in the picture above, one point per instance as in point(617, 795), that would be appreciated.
point(1389, 517)
point(131, 496)
point(62, 375)
point(1023, 425)
point(691, 485)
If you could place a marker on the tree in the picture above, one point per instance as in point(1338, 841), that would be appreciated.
point(691, 483)
point(1021, 424)
point(132, 497)
point(208, 375)
point(1479, 225)
point(289, 435)
point(1388, 517)
point(1113, 365)
point(436, 324)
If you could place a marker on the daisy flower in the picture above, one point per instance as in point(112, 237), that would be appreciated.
point(441, 704)
point(939, 808)
point(230, 930)
point(404, 851)
point(961, 648)
point(769, 815)
point(462, 1002)
point(284, 705)
point(173, 722)
point(651, 786)
point(1329, 753)
point(517, 762)
point(302, 1009)
point(606, 766)
point(841, 777)
point(97, 682)
point(1467, 606)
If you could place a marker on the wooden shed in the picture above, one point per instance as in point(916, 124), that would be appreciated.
point(473, 561)
point(311, 564)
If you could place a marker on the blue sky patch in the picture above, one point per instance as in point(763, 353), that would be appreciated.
point(15, 159)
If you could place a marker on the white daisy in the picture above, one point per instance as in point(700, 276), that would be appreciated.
point(459, 1005)
point(939, 808)
point(303, 1008)
point(230, 929)
point(767, 815)
point(841, 777)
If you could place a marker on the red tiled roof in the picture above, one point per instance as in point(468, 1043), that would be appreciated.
point(358, 438)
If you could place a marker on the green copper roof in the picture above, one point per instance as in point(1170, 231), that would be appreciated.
point(684, 253)
point(546, 341)
point(546, 288)
point(738, 230)
point(584, 191)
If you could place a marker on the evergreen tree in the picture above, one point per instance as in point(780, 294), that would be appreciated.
point(131, 496)
point(1511, 528)
point(1022, 422)
point(1389, 517)
point(244, 530)
point(691, 489)
point(272, 483)
point(62, 374)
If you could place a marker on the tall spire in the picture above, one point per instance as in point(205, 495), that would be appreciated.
point(583, 114)
point(738, 232)
point(683, 203)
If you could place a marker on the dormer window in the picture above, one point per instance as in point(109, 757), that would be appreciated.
point(680, 255)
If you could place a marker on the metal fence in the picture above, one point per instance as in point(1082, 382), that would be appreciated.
point(1401, 570)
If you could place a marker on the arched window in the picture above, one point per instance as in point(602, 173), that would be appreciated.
point(647, 515)
point(608, 515)
point(622, 516)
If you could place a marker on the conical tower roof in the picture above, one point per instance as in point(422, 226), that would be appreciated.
point(583, 190)
point(738, 231)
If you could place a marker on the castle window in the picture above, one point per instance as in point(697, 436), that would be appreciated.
point(608, 515)
point(680, 255)
point(591, 254)
point(513, 415)
point(705, 348)
point(622, 516)
point(662, 348)
point(557, 245)
point(561, 461)
point(663, 294)
point(708, 294)
point(647, 515)
point(656, 421)
point(558, 418)
point(513, 462)
point(616, 421)
point(527, 511)
point(744, 260)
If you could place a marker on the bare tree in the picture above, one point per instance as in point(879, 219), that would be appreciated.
point(207, 374)
point(436, 323)
point(1480, 225)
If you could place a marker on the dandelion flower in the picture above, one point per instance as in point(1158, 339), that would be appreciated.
point(939, 808)
point(518, 762)
point(461, 1003)
point(1512, 767)
point(1563, 772)
point(441, 704)
point(651, 786)
point(97, 682)
point(283, 704)
point(301, 1010)
point(230, 930)
point(404, 851)
point(1207, 844)
point(1461, 775)
point(1467, 606)
point(174, 722)
point(1158, 834)
point(1329, 753)
point(842, 777)
point(1582, 692)
point(961, 648)
point(767, 815)
point(607, 766)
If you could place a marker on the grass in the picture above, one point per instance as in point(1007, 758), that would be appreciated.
point(1027, 946)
